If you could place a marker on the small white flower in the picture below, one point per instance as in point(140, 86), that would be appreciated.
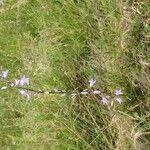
point(63, 91)
point(119, 100)
point(84, 93)
point(46, 92)
point(12, 84)
point(73, 95)
point(62, 95)
point(55, 90)
point(34, 94)
point(4, 88)
point(96, 92)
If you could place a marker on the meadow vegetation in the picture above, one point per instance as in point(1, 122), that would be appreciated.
point(62, 44)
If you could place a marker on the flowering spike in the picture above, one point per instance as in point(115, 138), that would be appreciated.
point(25, 93)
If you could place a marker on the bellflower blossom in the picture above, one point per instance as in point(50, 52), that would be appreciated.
point(23, 81)
point(5, 73)
point(17, 82)
point(24, 93)
point(119, 100)
point(91, 82)
point(118, 92)
point(104, 100)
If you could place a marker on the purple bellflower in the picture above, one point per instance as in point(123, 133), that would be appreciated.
point(23, 81)
point(5, 73)
point(17, 82)
point(91, 82)
point(24, 93)
point(104, 100)
point(118, 92)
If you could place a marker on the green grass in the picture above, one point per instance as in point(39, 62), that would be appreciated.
point(62, 44)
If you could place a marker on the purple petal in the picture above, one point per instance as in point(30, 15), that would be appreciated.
point(5, 73)
point(104, 100)
point(24, 93)
point(118, 92)
point(17, 82)
point(91, 82)
point(24, 81)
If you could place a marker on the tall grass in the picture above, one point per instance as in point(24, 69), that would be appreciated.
point(62, 44)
